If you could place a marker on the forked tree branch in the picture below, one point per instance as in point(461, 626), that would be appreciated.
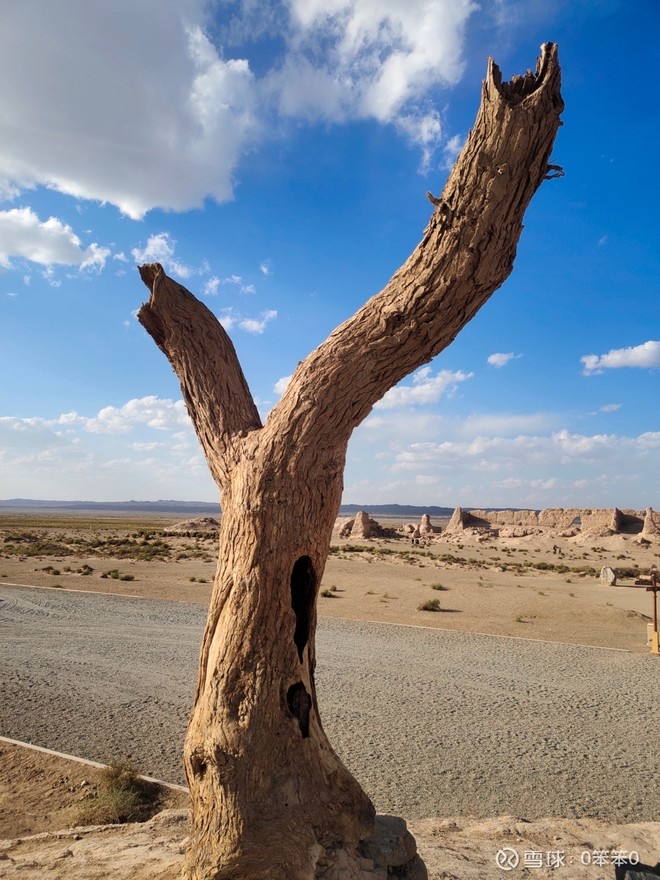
point(467, 251)
point(204, 359)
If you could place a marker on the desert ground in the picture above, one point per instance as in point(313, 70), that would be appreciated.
point(513, 587)
point(540, 586)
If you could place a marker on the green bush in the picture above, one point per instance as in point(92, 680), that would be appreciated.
point(430, 605)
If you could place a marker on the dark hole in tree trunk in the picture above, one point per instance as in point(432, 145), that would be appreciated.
point(300, 704)
point(198, 765)
point(303, 591)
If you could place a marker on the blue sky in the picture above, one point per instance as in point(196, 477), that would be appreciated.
point(274, 156)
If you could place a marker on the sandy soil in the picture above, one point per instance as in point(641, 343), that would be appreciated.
point(492, 587)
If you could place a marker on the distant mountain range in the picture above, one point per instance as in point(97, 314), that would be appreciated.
point(204, 507)
point(128, 506)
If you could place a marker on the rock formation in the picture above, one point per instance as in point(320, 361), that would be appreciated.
point(457, 522)
point(607, 576)
point(651, 527)
point(360, 526)
point(201, 524)
point(425, 527)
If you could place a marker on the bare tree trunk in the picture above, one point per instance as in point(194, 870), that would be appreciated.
point(270, 798)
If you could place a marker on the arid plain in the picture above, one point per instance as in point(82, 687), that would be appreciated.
point(539, 586)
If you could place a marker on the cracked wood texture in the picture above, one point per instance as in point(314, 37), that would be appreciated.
point(270, 798)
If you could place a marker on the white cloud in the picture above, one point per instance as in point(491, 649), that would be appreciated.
point(257, 326)
point(230, 319)
point(144, 112)
point(500, 359)
point(266, 268)
point(610, 407)
point(114, 455)
point(154, 412)
point(379, 62)
point(451, 151)
point(424, 390)
point(280, 386)
point(47, 242)
point(646, 356)
point(160, 249)
point(149, 112)
point(211, 286)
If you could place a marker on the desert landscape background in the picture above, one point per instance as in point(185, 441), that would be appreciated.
point(482, 578)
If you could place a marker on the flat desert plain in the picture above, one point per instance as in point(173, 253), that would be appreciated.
point(540, 586)
point(503, 586)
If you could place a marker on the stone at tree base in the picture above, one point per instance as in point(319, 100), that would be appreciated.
point(391, 851)
point(637, 872)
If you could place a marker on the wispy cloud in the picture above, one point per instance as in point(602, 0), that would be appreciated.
point(500, 359)
point(121, 452)
point(160, 249)
point(231, 319)
point(645, 356)
point(425, 388)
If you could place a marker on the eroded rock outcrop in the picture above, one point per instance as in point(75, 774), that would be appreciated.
point(458, 521)
point(360, 526)
point(425, 527)
point(651, 527)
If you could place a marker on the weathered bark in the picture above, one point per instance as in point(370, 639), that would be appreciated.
point(270, 798)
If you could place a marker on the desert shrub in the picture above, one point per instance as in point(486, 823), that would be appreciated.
point(430, 605)
point(439, 587)
point(122, 796)
point(328, 594)
point(626, 571)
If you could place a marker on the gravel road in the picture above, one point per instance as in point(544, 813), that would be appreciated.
point(432, 723)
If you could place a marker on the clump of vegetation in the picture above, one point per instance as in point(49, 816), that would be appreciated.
point(439, 586)
point(122, 796)
point(430, 605)
point(627, 571)
point(116, 575)
point(328, 594)
point(33, 544)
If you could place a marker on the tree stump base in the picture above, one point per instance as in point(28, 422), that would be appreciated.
point(391, 851)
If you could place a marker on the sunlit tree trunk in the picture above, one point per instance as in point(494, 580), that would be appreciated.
point(270, 798)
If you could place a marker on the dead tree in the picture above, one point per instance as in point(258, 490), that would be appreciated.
point(270, 798)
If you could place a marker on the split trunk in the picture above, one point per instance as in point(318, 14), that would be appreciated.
point(270, 798)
